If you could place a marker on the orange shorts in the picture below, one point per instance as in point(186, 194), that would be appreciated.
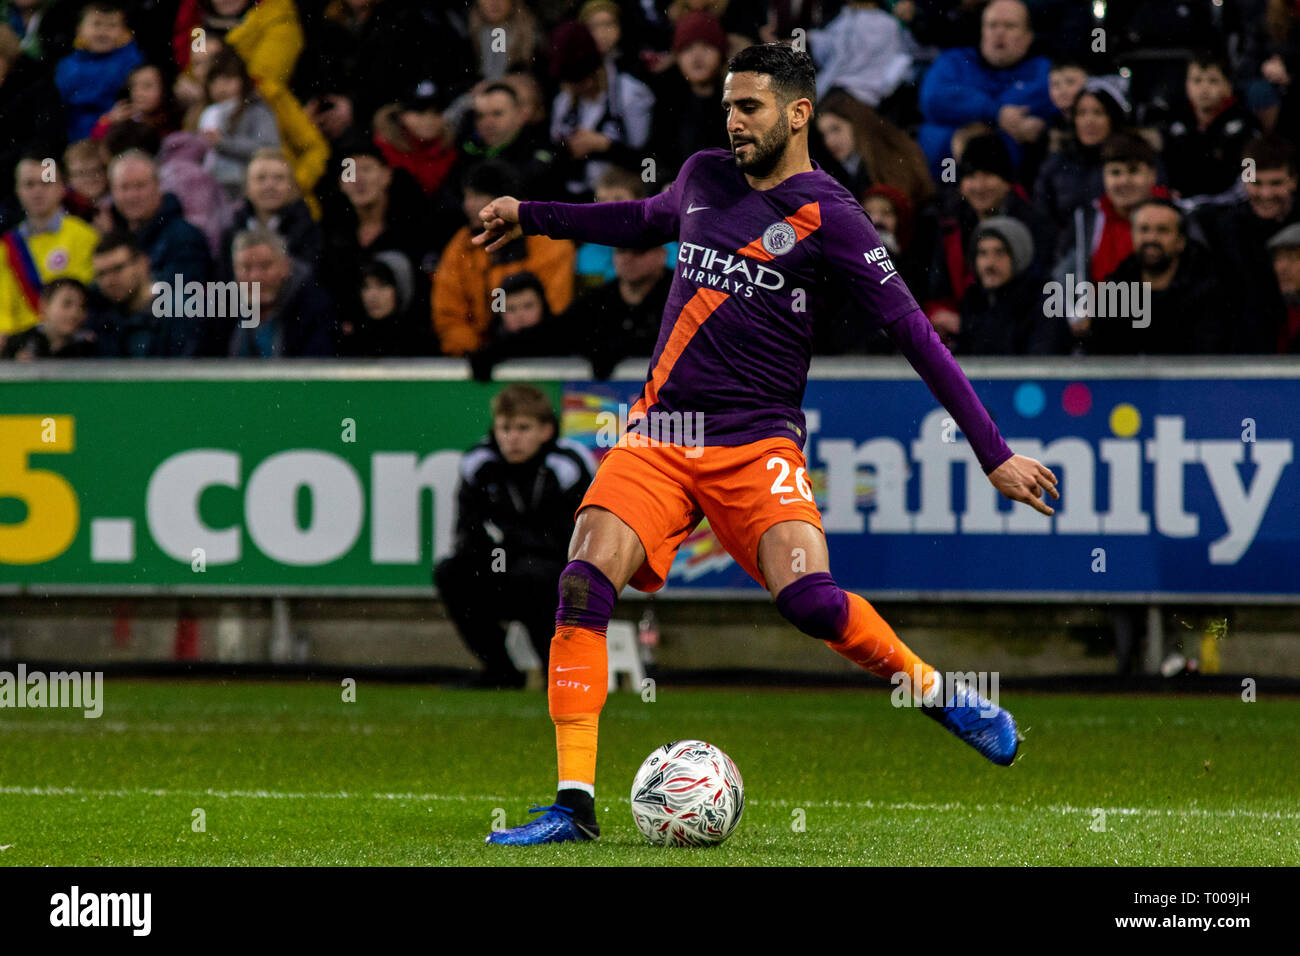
point(662, 491)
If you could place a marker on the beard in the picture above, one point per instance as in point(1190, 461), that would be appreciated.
point(767, 150)
point(1154, 259)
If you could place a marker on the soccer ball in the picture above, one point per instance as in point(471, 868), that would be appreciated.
point(687, 793)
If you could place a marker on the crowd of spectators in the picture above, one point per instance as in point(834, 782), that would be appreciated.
point(337, 152)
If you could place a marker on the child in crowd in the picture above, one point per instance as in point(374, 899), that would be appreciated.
point(1205, 137)
point(1065, 81)
point(236, 125)
point(89, 78)
point(524, 328)
point(86, 162)
point(146, 99)
point(190, 88)
point(61, 332)
point(387, 325)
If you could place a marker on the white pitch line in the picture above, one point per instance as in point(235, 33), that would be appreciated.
point(99, 725)
point(904, 806)
point(1063, 809)
point(239, 794)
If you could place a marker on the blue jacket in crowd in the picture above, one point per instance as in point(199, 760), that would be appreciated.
point(89, 84)
point(961, 87)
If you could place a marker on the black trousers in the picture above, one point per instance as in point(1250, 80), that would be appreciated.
point(480, 601)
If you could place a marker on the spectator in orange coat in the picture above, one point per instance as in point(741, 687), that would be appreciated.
point(467, 275)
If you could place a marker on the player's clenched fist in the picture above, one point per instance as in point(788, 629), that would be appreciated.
point(500, 223)
point(1022, 479)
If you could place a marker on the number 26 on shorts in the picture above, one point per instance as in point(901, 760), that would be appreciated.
point(780, 486)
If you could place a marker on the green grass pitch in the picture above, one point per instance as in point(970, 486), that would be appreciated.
point(290, 774)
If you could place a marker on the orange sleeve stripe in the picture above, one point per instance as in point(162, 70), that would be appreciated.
point(806, 220)
point(701, 305)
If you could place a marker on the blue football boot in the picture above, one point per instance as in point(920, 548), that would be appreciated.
point(556, 825)
point(982, 724)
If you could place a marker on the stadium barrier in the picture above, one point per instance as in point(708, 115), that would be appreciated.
point(1178, 479)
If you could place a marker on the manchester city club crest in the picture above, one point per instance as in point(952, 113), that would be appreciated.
point(779, 238)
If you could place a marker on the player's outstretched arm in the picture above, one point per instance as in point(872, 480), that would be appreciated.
point(859, 259)
point(1015, 476)
point(1024, 479)
point(640, 222)
point(500, 223)
point(636, 223)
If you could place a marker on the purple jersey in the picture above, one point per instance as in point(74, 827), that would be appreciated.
point(754, 270)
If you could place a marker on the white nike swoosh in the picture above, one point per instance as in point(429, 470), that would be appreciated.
point(786, 501)
point(694, 208)
point(561, 670)
point(888, 277)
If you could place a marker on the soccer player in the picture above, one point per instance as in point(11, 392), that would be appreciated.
point(767, 241)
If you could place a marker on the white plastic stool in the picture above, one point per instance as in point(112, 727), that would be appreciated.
point(620, 644)
point(520, 648)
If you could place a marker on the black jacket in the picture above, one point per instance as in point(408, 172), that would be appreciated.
point(950, 217)
point(303, 324)
point(31, 117)
point(547, 339)
point(525, 509)
point(683, 125)
point(1206, 162)
point(34, 343)
point(121, 333)
point(406, 229)
point(1010, 320)
point(605, 330)
point(300, 232)
point(531, 156)
point(173, 245)
point(1190, 317)
point(1237, 239)
point(1066, 180)
point(377, 62)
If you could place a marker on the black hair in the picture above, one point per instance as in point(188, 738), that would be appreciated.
point(492, 177)
point(51, 288)
point(792, 73)
point(500, 87)
point(522, 282)
point(117, 239)
point(1067, 59)
point(109, 7)
point(1128, 146)
point(1271, 151)
point(358, 146)
point(1110, 106)
point(39, 156)
point(132, 134)
point(166, 78)
point(1208, 58)
point(1163, 203)
point(378, 269)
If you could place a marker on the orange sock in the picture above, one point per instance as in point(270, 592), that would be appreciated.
point(871, 643)
point(576, 689)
